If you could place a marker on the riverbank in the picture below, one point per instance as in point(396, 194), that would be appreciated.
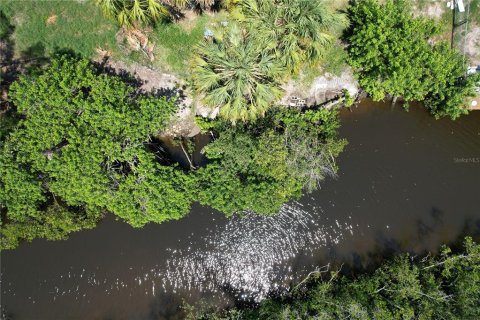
point(86, 143)
point(152, 56)
point(440, 286)
point(322, 89)
point(389, 197)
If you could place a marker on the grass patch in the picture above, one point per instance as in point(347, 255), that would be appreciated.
point(5, 26)
point(446, 24)
point(335, 60)
point(175, 44)
point(475, 12)
point(41, 27)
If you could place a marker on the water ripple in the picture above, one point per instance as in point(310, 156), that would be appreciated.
point(249, 256)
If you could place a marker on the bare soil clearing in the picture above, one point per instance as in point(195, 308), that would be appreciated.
point(472, 46)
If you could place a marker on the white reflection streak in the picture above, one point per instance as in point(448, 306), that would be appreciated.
point(248, 254)
point(248, 257)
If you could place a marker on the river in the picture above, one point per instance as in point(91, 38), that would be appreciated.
point(406, 182)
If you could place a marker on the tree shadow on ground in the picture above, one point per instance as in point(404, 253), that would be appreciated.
point(170, 93)
point(34, 52)
point(127, 77)
point(389, 247)
point(12, 66)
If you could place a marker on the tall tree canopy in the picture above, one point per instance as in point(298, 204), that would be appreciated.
point(80, 150)
point(80, 146)
point(262, 165)
point(393, 54)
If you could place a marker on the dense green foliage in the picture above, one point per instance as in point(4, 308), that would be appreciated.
point(133, 13)
point(392, 54)
point(261, 166)
point(76, 144)
point(79, 150)
point(389, 47)
point(234, 74)
point(444, 287)
point(448, 98)
point(79, 145)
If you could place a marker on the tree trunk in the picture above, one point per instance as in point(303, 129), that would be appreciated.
point(192, 167)
point(394, 100)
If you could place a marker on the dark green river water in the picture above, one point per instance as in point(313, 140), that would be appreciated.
point(406, 182)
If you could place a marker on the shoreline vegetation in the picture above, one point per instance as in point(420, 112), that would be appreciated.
point(78, 138)
point(88, 146)
point(442, 286)
point(80, 135)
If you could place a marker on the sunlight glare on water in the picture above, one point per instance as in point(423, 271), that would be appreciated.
point(246, 254)
point(245, 257)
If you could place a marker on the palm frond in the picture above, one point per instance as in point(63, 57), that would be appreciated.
point(234, 74)
point(297, 31)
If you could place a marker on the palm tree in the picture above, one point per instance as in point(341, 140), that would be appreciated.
point(233, 73)
point(229, 4)
point(297, 31)
point(130, 13)
point(204, 4)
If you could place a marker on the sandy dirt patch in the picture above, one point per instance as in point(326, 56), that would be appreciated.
point(472, 46)
point(436, 10)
